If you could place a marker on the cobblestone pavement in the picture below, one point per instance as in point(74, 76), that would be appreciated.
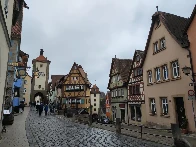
point(53, 131)
point(16, 134)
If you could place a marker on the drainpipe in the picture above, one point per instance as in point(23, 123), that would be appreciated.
point(193, 80)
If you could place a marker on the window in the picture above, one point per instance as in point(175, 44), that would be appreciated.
point(95, 95)
point(165, 72)
point(135, 72)
point(158, 74)
point(41, 65)
point(94, 109)
point(119, 92)
point(75, 78)
point(139, 71)
point(162, 43)
point(152, 106)
point(150, 76)
point(137, 58)
point(25, 81)
point(130, 90)
point(122, 92)
point(39, 86)
point(114, 93)
point(156, 47)
point(175, 69)
point(94, 104)
point(86, 101)
point(136, 113)
point(107, 101)
point(164, 106)
point(94, 100)
point(137, 89)
point(25, 90)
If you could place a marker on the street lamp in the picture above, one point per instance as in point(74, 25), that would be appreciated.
point(187, 70)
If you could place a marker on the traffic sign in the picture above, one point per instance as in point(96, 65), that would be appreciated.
point(191, 95)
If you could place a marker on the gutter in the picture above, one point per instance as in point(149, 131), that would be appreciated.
point(191, 62)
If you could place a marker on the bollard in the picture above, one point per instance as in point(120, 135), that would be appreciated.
point(176, 132)
point(141, 131)
point(118, 125)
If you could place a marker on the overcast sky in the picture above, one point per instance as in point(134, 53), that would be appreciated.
point(91, 32)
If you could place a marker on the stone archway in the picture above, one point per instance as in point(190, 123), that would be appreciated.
point(39, 97)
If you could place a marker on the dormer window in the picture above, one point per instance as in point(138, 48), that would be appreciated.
point(162, 41)
point(156, 47)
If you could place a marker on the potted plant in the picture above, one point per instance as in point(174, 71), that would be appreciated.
point(184, 126)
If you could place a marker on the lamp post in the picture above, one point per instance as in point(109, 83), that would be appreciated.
point(187, 70)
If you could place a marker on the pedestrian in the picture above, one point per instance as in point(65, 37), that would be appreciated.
point(40, 109)
point(46, 109)
point(37, 105)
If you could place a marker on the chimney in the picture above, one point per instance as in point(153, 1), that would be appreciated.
point(41, 52)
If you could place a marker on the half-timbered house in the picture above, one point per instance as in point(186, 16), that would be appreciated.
point(136, 98)
point(117, 85)
point(76, 88)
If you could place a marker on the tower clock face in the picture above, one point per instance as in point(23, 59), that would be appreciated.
point(22, 72)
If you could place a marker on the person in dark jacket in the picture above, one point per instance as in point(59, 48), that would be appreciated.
point(41, 108)
point(46, 109)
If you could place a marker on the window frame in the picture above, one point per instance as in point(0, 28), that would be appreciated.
point(161, 41)
point(152, 102)
point(149, 76)
point(158, 74)
point(177, 67)
point(165, 70)
point(157, 47)
point(164, 104)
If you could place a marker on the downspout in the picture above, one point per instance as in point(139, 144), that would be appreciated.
point(193, 80)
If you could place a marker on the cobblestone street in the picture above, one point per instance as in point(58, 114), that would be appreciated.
point(51, 131)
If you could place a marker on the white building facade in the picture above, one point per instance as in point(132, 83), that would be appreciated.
point(95, 99)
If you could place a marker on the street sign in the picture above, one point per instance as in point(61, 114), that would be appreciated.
point(191, 95)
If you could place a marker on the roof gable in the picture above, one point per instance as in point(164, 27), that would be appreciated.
point(77, 69)
point(122, 66)
point(175, 26)
point(193, 15)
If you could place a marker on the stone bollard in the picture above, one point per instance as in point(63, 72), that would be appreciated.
point(178, 140)
point(118, 125)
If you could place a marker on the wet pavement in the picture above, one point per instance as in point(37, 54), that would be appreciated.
point(51, 131)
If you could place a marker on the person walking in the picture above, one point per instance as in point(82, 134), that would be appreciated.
point(41, 108)
point(46, 109)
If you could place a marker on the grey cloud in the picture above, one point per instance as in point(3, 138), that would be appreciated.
point(91, 32)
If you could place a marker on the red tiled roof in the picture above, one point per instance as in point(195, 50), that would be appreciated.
point(94, 89)
point(41, 58)
point(55, 78)
point(17, 28)
point(123, 67)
